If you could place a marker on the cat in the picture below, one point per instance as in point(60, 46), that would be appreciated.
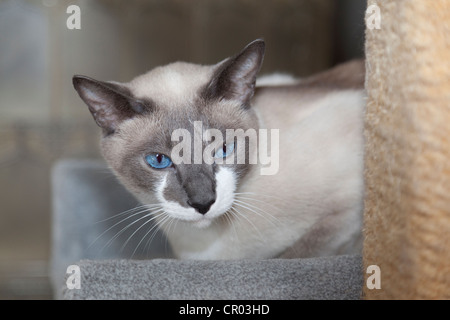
point(311, 206)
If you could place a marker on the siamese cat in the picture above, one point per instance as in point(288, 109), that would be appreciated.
point(309, 205)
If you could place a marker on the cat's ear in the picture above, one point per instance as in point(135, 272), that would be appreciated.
point(110, 103)
point(235, 77)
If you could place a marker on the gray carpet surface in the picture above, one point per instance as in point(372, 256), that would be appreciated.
point(338, 277)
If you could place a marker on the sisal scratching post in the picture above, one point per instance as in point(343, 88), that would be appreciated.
point(407, 130)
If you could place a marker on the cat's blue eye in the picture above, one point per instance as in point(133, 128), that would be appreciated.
point(225, 151)
point(158, 161)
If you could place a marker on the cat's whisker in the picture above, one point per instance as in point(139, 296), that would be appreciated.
point(265, 203)
point(263, 214)
point(249, 221)
point(258, 206)
point(247, 201)
point(156, 213)
point(231, 222)
point(117, 223)
point(155, 225)
point(169, 220)
point(129, 211)
point(156, 228)
point(172, 224)
point(259, 195)
point(235, 217)
point(124, 229)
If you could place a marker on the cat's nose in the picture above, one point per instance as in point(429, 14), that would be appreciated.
point(200, 206)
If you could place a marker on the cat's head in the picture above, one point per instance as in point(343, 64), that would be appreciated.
point(139, 120)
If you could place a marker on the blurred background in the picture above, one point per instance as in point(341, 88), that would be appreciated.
point(42, 119)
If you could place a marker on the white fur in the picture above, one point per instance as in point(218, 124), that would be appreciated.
point(225, 187)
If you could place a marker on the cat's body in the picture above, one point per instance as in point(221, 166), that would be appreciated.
point(311, 206)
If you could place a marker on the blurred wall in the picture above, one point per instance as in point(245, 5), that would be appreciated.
point(42, 119)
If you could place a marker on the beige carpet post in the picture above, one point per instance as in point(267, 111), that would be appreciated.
point(407, 130)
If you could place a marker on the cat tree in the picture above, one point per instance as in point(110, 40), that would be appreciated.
point(407, 129)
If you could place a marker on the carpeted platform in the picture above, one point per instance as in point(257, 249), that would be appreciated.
point(319, 278)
